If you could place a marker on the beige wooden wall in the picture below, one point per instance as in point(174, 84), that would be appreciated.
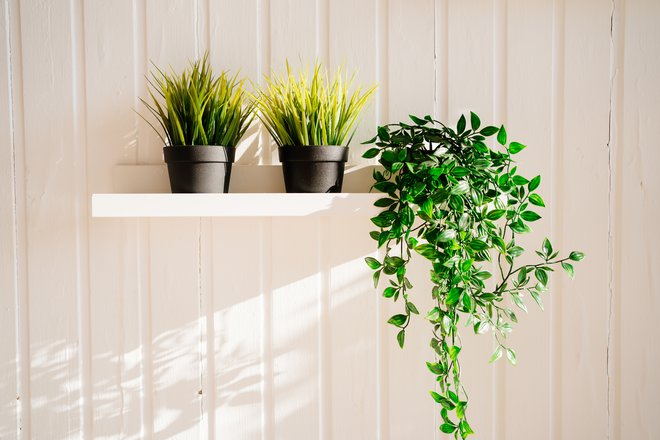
point(268, 328)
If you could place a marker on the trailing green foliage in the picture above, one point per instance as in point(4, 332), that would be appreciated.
point(460, 204)
point(196, 108)
point(297, 111)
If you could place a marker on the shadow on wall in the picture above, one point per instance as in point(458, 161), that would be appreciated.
point(179, 372)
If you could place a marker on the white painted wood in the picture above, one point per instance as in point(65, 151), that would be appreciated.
point(349, 315)
point(295, 328)
point(9, 368)
point(52, 227)
point(635, 192)
point(116, 355)
point(175, 328)
point(237, 327)
point(112, 326)
point(233, 205)
point(584, 303)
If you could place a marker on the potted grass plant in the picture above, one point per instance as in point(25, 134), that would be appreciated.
point(461, 205)
point(312, 120)
point(203, 117)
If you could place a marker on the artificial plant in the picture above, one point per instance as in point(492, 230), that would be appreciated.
point(196, 107)
point(321, 110)
point(460, 204)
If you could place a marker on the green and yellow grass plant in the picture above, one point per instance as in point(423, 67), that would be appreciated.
point(321, 111)
point(197, 108)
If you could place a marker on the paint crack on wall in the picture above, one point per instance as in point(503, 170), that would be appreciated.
point(610, 238)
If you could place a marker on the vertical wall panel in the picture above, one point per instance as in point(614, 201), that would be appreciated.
point(295, 324)
point(234, 45)
point(170, 28)
point(114, 304)
point(352, 319)
point(636, 188)
point(584, 303)
point(51, 162)
point(8, 259)
point(529, 74)
point(175, 296)
point(237, 328)
point(352, 44)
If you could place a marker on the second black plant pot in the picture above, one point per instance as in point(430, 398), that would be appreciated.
point(313, 168)
point(199, 168)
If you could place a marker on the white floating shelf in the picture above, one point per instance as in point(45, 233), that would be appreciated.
point(234, 205)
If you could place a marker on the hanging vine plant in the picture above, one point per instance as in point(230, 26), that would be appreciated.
point(459, 203)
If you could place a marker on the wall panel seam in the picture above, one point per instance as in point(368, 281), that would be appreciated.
point(382, 115)
point(79, 111)
point(17, 134)
point(500, 75)
point(615, 128)
point(556, 139)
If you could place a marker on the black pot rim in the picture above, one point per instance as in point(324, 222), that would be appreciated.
point(199, 153)
point(313, 153)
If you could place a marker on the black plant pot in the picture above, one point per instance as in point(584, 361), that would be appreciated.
point(313, 168)
point(199, 168)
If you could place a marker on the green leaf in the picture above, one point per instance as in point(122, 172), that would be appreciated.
point(389, 292)
point(495, 214)
point(537, 298)
point(372, 262)
point(515, 147)
point(568, 268)
point(447, 428)
point(546, 247)
point(541, 276)
point(370, 141)
point(401, 338)
point(412, 308)
point(460, 409)
point(489, 131)
point(434, 368)
point(453, 352)
point(446, 235)
point(516, 251)
point(453, 296)
point(530, 216)
point(483, 275)
point(517, 300)
point(465, 428)
point(536, 199)
point(511, 355)
point(534, 183)
point(437, 397)
point(576, 255)
point(371, 152)
point(501, 135)
point(398, 320)
point(418, 121)
point(427, 251)
point(461, 188)
point(478, 245)
point(384, 202)
point(519, 180)
point(496, 354)
point(383, 134)
point(519, 227)
point(460, 126)
point(376, 277)
point(475, 122)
